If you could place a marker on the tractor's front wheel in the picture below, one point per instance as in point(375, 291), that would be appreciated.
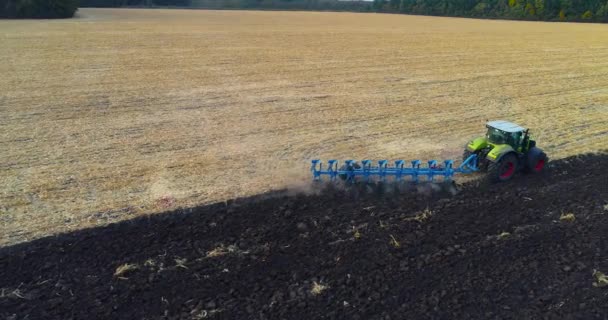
point(504, 169)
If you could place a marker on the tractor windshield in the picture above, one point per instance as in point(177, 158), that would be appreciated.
point(496, 136)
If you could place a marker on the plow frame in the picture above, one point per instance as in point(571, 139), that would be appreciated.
point(397, 172)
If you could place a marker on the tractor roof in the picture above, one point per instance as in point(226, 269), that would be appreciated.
point(505, 126)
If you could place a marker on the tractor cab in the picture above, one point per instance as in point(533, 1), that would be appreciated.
point(504, 132)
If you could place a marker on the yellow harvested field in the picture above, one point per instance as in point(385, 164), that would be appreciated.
point(124, 112)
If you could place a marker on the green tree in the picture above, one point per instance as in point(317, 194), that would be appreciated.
point(394, 4)
point(406, 5)
point(602, 13)
point(587, 15)
point(480, 9)
point(540, 7)
point(530, 10)
point(566, 7)
point(421, 7)
point(378, 5)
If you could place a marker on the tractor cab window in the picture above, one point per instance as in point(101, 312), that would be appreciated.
point(517, 136)
point(497, 136)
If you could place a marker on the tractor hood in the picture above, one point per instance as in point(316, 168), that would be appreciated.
point(477, 144)
point(496, 150)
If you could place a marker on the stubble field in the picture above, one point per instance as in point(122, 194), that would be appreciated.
point(120, 113)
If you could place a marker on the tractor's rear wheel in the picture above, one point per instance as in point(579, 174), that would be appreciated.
point(536, 161)
point(504, 169)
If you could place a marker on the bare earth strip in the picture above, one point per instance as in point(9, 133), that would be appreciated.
point(126, 112)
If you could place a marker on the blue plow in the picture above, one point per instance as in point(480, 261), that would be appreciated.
point(352, 170)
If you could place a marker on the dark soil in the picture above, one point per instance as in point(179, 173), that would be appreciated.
point(407, 255)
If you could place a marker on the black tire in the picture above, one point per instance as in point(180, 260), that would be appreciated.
point(482, 163)
point(535, 161)
point(504, 169)
point(353, 166)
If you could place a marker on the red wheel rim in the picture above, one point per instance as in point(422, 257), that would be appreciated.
point(507, 170)
point(540, 165)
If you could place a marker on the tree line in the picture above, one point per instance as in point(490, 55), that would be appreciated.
point(313, 5)
point(38, 9)
point(545, 10)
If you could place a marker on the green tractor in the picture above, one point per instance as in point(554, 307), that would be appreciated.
point(504, 150)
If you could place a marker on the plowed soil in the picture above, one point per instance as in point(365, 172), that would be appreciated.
point(497, 252)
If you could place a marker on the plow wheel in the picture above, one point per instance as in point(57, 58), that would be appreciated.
point(345, 167)
point(504, 169)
